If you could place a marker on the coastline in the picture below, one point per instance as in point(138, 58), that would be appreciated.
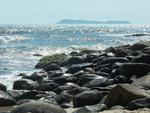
point(116, 78)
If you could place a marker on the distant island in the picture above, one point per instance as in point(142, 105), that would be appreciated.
point(70, 21)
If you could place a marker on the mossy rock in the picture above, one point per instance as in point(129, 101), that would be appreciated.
point(56, 58)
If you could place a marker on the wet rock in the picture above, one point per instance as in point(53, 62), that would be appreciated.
point(138, 69)
point(87, 98)
point(63, 98)
point(101, 82)
point(3, 87)
point(139, 103)
point(91, 109)
point(54, 74)
point(38, 107)
point(72, 60)
point(64, 79)
point(78, 67)
point(112, 60)
point(122, 94)
point(143, 82)
point(16, 93)
point(87, 78)
point(139, 46)
point(47, 86)
point(120, 79)
point(24, 84)
point(142, 59)
point(77, 90)
point(47, 99)
point(65, 87)
point(36, 76)
point(52, 67)
point(6, 100)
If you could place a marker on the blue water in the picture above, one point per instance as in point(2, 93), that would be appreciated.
point(19, 43)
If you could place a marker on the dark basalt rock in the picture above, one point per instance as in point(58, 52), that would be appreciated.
point(38, 107)
point(47, 86)
point(3, 87)
point(142, 59)
point(72, 60)
point(87, 98)
point(123, 94)
point(54, 74)
point(63, 98)
point(87, 78)
point(6, 100)
point(36, 76)
point(139, 46)
point(139, 103)
point(24, 84)
point(52, 67)
point(78, 67)
point(64, 79)
point(77, 90)
point(16, 93)
point(101, 82)
point(91, 109)
point(112, 60)
point(65, 87)
point(138, 69)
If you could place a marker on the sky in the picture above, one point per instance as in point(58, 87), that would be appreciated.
point(51, 11)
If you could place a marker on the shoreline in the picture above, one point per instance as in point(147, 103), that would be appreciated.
point(90, 81)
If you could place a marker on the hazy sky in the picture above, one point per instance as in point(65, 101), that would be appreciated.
point(50, 11)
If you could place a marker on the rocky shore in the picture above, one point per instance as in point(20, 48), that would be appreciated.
point(115, 80)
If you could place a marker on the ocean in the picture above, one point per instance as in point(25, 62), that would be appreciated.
point(20, 44)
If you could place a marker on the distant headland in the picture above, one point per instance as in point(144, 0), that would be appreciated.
point(71, 21)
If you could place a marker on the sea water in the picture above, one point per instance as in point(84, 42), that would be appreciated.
point(19, 44)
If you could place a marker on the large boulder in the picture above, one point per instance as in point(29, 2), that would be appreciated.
point(6, 100)
point(143, 82)
point(139, 103)
point(122, 94)
point(91, 109)
point(137, 69)
point(38, 107)
point(87, 98)
point(24, 84)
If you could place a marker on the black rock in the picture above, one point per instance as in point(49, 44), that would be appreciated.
point(139, 103)
point(63, 98)
point(72, 60)
point(6, 100)
point(139, 46)
point(64, 79)
point(3, 87)
point(24, 84)
point(142, 59)
point(87, 98)
point(137, 69)
point(101, 82)
point(78, 67)
point(47, 86)
point(52, 67)
point(38, 107)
